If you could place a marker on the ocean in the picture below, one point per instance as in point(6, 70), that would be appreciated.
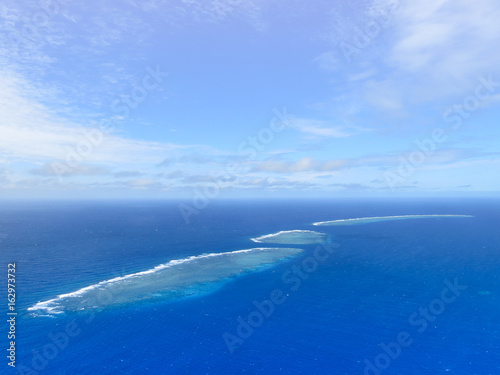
point(162, 296)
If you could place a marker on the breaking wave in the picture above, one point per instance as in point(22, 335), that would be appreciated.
point(366, 220)
point(175, 279)
point(293, 237)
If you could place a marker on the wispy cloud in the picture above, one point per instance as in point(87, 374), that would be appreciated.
point(127, 174)
point(429, 52)
point(80, 170)
point(388, 160)
point(425, 54)
point(58, 86)
point(322, 129)
point(307, 164)
point(328, 61)
point(31, 131)
point(182, 12)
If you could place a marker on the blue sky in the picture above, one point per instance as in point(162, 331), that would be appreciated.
point(249, 98)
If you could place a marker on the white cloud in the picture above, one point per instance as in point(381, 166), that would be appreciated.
point(31, 131)
point(444, 46)
point(363, 75)
point(328, 61)
point(321, 129)
point(385, 95)
point(80, 170)
point(307, 164)
point(376, 161)
point(214, 11)
point(430, 52)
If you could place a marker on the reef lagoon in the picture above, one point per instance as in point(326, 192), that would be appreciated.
point(131, 288)
point(293, 237)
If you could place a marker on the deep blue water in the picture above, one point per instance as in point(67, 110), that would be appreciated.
point(362, 295)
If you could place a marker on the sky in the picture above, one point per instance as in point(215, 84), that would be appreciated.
point(249, 98)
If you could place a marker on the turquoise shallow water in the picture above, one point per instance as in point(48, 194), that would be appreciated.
point(295, 237)
point(333, 311)
point(176, 279)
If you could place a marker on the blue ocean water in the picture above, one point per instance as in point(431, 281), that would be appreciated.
point(425, 290)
